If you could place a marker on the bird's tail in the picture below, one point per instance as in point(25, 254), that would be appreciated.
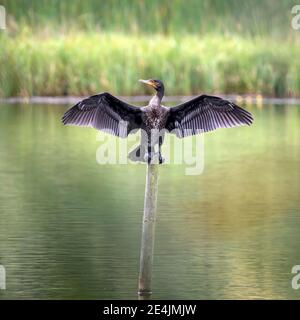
point(137, 154)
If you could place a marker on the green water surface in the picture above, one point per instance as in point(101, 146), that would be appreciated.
point(70, 228)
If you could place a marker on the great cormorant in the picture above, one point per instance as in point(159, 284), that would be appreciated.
point(201, 114)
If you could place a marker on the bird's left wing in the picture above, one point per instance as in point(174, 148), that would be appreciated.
point(106, 113)
point(205, 113)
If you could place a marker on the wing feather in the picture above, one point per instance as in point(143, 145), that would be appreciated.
point(106, 113)
point(206, 113)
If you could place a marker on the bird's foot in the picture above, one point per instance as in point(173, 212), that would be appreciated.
point(161, 159)
point(155, 158)
point(147, 157)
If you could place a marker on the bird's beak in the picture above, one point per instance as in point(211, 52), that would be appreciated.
point(150, 83)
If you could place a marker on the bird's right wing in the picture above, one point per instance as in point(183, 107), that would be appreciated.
point(106, 113)
point(205, 113)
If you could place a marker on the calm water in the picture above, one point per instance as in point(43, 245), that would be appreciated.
point(70, 228)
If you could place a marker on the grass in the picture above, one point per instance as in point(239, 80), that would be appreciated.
point(54, 48)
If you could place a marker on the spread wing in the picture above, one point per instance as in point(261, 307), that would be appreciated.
point(205, 113)
point(106, 113)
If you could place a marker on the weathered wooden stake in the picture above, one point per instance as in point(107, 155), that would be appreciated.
point(148, 233)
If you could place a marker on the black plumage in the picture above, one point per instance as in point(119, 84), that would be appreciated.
point(109, 114)
point(106, 113)
point(206, 113)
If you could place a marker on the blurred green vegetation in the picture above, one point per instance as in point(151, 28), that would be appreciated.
point(252, 17)
point(82, 47)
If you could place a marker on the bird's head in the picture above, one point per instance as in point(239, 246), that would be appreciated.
point(156, 84)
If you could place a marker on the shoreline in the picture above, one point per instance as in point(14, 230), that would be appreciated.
point(57, 100)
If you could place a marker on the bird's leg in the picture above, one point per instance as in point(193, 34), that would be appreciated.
point(147, 156)
point(160, 157)
point(149, 153)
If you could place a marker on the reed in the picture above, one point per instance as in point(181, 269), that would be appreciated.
point(88, 62)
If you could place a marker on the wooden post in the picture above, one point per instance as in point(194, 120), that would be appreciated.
point(148, 233)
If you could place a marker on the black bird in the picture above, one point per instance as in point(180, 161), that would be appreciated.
point(201, 114)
